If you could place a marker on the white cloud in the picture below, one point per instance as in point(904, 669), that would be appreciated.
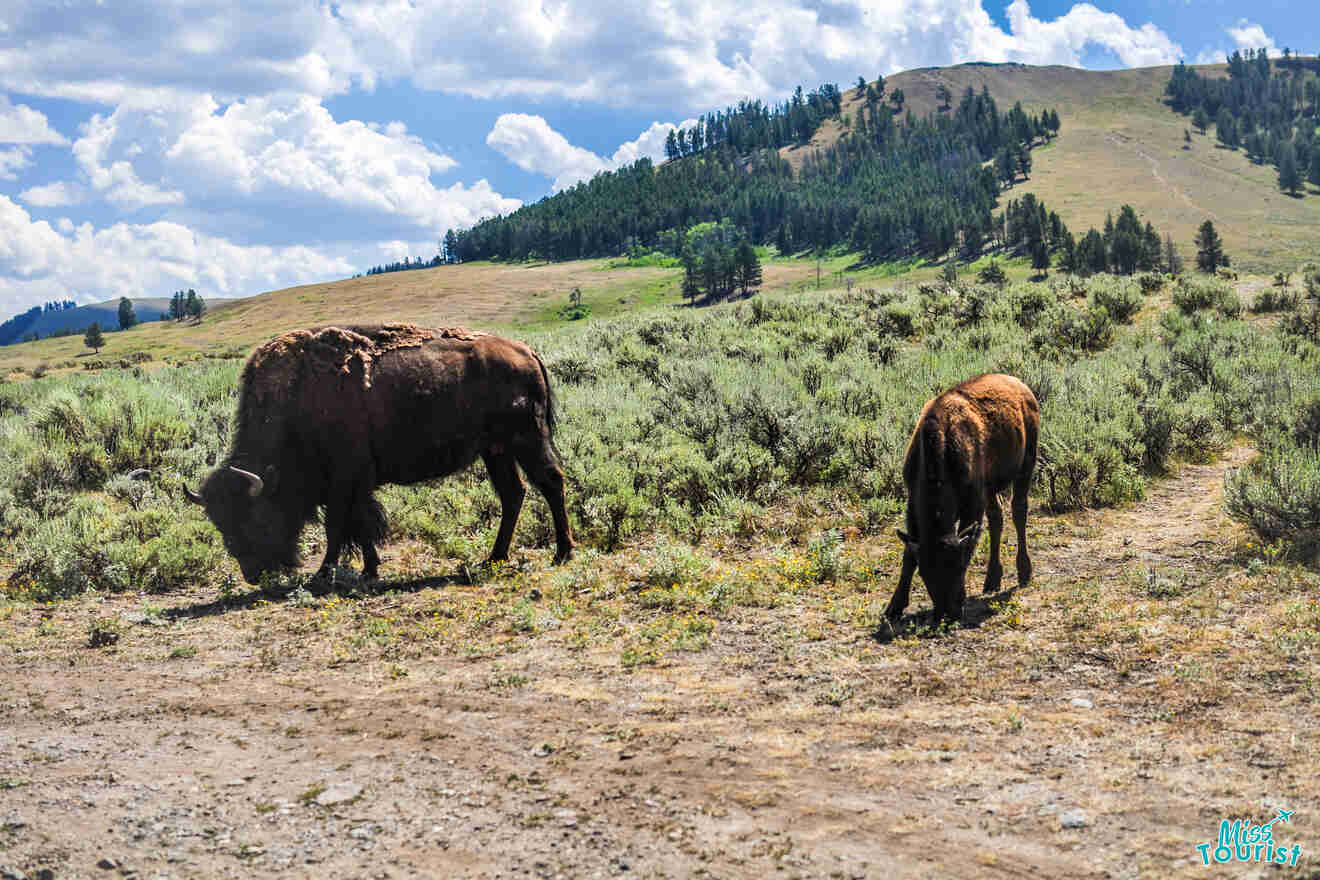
point(13, 160)
point(1062, 40)
point(38, 261)
point(1245, 35)
point(678, 54)
point(232, 169)
point(1252, 36)
point(531, 144)
point(20, 124)
point(52, 195)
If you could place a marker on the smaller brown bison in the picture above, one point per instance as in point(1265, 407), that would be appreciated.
point(971, 443)
point(327, 415)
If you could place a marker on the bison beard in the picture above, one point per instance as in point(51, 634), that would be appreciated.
point(327, 415)
point(971, 443)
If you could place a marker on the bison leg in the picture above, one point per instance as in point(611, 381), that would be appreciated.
point(369, 527)
point(994, 514)
point(1020, 487)
point(903, 594)
point(542, 467)
point(509, 486)
point(336, 532)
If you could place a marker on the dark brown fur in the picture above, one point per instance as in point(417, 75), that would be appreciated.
point(971, 443)
point(327, 415)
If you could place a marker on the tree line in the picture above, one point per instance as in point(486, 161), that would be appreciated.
point(1270, 113)
point(755, 126)
point(16, 328)
point(405, 264)
point(892, 186)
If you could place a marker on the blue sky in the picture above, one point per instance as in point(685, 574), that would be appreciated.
point(236, 148)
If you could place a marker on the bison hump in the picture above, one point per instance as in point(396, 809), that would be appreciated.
point(341, 351)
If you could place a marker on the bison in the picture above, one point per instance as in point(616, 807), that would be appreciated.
point(326, 415)
point(971, 443)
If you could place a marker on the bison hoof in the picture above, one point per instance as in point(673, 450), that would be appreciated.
point(563, 556)
point(1024, 572)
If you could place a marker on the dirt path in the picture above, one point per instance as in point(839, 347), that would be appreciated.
point(233, 744)
point(1123, 141)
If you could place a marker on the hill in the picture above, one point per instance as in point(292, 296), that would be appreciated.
point(106, 314)
point(78, 319)
point(1120, 143)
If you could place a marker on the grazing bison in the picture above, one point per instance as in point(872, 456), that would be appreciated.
point(971, 443)
point(327, 415)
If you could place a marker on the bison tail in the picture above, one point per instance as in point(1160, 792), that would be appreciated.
point(550, 420)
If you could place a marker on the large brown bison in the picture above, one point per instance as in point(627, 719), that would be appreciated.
point(971, 443)
point(327, 415)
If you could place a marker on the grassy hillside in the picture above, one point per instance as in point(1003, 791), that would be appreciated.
point(1119, 143)
point(515, 297)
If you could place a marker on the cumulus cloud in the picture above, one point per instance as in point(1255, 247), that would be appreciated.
point(1062, 40)
point(13, 160)
point(20, 124)
point(686, 54)
point(226, 168)
point(39, 261)
point(1245, 35)
point(53, 195)
point(530, 143)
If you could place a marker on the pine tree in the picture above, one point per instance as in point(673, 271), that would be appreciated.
point(1173, 263)
point(1290, 177)
point(1315, 165)
point(1024, 161)
point(1200, 120)
point(1209, 248)
point(195, 307)
point(691, 275)
point(127, 316)
point(748, 267)
point(93, 338)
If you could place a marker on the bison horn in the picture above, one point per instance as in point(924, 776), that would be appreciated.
point(256, 481)
point(192, 496)
point(138, 474)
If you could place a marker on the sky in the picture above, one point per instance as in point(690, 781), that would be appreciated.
point(147, 147)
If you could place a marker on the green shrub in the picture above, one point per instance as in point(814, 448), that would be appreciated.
point(1119, 298)
point(1194, 294)
point(1271, 300)
point(1278, 494)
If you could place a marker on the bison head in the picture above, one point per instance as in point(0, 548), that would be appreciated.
point(261, 534)
point(942, 563)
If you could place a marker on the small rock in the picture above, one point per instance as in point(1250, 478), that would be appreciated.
point(1073, 819)
point(339, 794)
point(361, 833)
point(542, 750)
point(12, 874)
point(1081, 702)
point(107, 864)
point(566, 818)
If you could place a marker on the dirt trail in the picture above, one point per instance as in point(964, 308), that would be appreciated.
point(1180, 523)
point(767, 754)
point(1123, 141)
